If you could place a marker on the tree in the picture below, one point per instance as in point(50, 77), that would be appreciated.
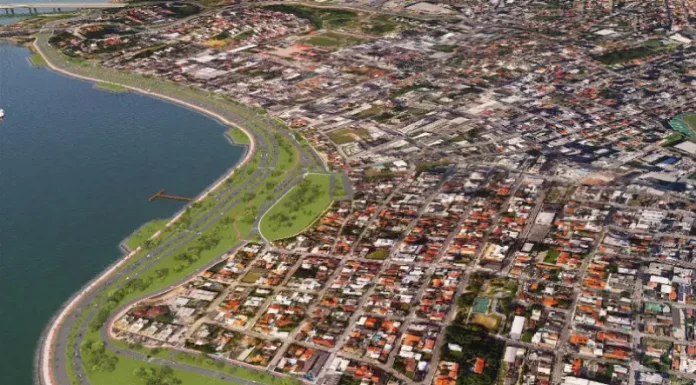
point(161, 273)
point(161, 376)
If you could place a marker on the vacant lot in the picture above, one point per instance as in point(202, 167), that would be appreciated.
point(331, 40)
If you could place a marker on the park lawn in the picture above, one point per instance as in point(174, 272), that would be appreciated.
point(238, 136)
point(123, 374)
point(198, 209)
point(240, 372)
point(122, 344)
point(227, 239)
point(223, 230)
point(204, 258)
point(105, 86)
point(144, 233)
point(298, 209)
point(37, 60)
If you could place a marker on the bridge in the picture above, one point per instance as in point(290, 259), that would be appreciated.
point(9, 8)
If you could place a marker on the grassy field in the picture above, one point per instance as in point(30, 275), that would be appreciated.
point(331, 40)
point(648, 48)
point(143, 233)
point(319, 17)
point(551, 256)
point(238, 136)
point(243, 373)
point(37, 60)
point(332, 18)
point(347, 135)
point(104, 86)
point(124, 374)
point(297, 209)
point(690, 121)
point(342, 136)
point(380, 24)
point(251, 277)
point(672, 139)
point(339, 190)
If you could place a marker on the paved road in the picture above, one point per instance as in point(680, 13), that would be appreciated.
point(227, 198)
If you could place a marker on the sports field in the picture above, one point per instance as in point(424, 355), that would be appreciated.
point(481, 305)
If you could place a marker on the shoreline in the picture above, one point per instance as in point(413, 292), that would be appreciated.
point(122, 244)
point(43, 369)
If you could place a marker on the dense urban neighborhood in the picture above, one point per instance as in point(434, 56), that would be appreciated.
point(478, 192)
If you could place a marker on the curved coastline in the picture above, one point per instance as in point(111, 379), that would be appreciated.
point(43, 369)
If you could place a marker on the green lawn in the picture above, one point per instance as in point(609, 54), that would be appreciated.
point(123, 374)
point(622, 56)
point(143, 233)
point(331, 40)
point(339, 190)
point(104, 86)
point(322, 41)
point(238, 136)
point(552, 256)
point(297, 209)
point(690, 120)
point(672, 139)
point(240, 372)
point(251, 277)
point(37, 60)
point(379, 254)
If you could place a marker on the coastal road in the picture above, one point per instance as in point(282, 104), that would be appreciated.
point(88, 296)
point(139, 266)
